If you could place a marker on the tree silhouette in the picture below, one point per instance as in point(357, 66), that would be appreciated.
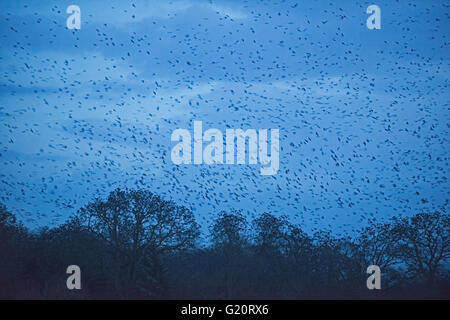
point(134, 244)
point(424, 243)
point(229, 238)
point(139, 227)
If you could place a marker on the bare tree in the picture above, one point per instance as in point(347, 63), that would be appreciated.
point(140, 227)
point(425, 244)
point(377, 244)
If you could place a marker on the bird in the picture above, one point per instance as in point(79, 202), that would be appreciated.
point(362, 115)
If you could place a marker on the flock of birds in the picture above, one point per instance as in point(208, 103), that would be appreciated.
point(363, 114)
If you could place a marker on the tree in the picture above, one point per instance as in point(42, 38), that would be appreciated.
point(377, 244)
point(270, 232)
point(14, 254)
point(269, 270)
point(8, 231)
point(425, 244)
point(229, 237)
point(139, 227)
point(333, 268)
point(229, 230)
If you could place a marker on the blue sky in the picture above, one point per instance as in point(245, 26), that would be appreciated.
point(363, 114)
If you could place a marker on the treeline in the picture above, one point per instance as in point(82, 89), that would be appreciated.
point(136, 245)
